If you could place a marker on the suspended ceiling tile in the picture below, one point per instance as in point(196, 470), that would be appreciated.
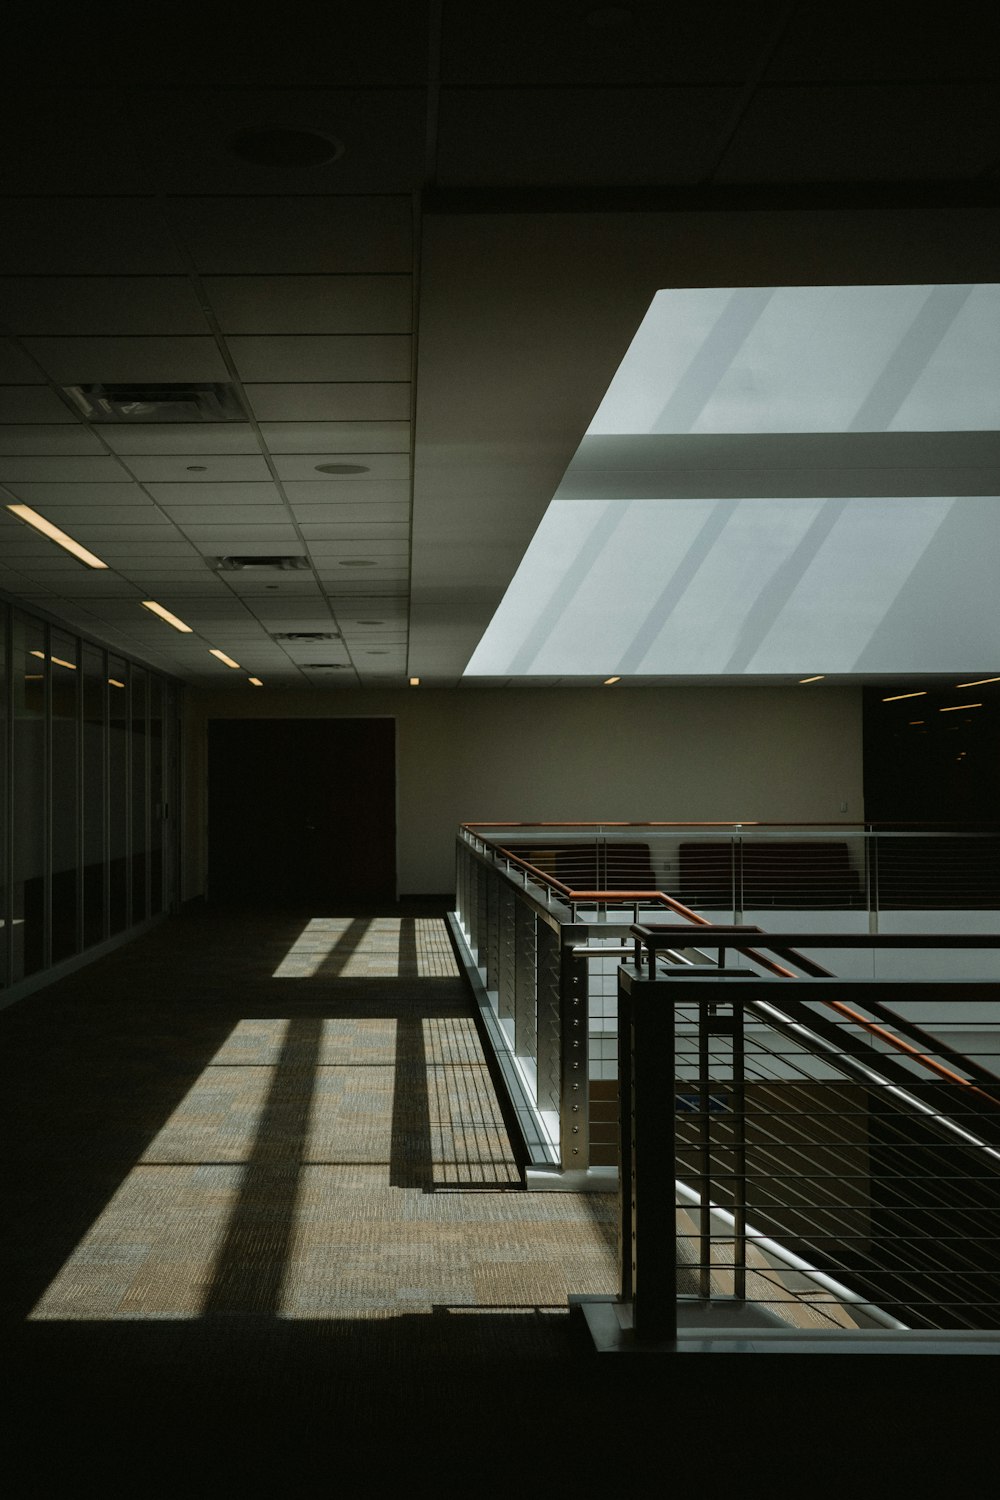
point(97, 584)
point(322, 357)
point(188, 131)
point(260, 236)
point(310, 304)
point(533, 137)
point(166, 560)
point(83, 469)
point(32, 403)
point(228, 516)
point(362, 491)
point(74, 360)
point(72, 517)
point(373, 401)
point(100, 305)
point(43, 441)
point(16, 367)
point(390, 587)
point(150, 530)
point(357, 531)
point(182, 438)
point(56, 493)
point(218, 540)
point(958, 44)
point(155, 585)
point(337, 437)
point(353, 513)
point(193, 473)
point(278, 585)
point(367, 546)
point(251, 493)
point(175, 554)
point(79, 236)
point(303, 467)
point(858, 133)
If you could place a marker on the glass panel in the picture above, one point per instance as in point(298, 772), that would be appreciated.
point(140, 837)
point(118, 786)
point(29, 810)
point(157, 795)
point(64, 666)
point(95, 689)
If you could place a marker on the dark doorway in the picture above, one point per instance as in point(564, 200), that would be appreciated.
point(301, 812)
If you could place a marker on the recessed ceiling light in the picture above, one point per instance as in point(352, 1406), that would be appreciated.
point(414, 682)
point(113, 682)
point(164, 614)
point(610, 681)
point(25, 513)
point(221, 656)
point(284, 146)
point(255, 682)
point(342, 468)
point(812, 679)
point(357, 562)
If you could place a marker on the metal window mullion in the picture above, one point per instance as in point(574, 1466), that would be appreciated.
point(105, 794)
point(80, 810)
point(128, 796)
point(7, 796)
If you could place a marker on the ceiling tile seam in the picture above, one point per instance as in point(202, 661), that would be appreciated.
point(749, 90)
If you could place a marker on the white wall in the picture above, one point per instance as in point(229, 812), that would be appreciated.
point(698, 753)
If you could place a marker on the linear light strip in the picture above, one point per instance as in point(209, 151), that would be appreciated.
point(57, 659)
point(957, 707)
point(812, 679)
point(898, 696)
point(164, 614)
point(978, 682)
point(25, 513)
point(221, 656)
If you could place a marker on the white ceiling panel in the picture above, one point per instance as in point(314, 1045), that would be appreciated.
point(337, 437)
point(80, 494)
point(390, 587)
point(32, 403)
point(354, 513)
point(90, 584)
point(155, 584)
point(85, 469)
point(205, 469)
point(373, 401)
point(260, 236)
point(183, 438)
point(74, 360)
point(303, 467)
point(15, 366)
point(151, 530)
point(72, 517)
point(322, 357)
point(44, 441)
point(310, 304)
point(278, 586)
point(252, 493)
point(80, 236)
point(228, 516)
point(100, 305)
point(176, 554)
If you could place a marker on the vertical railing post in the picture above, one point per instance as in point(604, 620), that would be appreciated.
point(739, 1154)
point(649, 1211)
point(574, 1094)
point(704, 1156)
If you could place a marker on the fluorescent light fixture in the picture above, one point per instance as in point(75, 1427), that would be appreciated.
point(113, 682)
point(898, 697)
point(978, 682)
point(957, 707)
point(221, 656)
point(915, 722)
point(610, 681)
point(255, 682)
point(164, 614)
point(57, 659)
point(819, 678)
point(25, 513)
point(414, 682)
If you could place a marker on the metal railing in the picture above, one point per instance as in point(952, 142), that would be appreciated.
point(812, 1130)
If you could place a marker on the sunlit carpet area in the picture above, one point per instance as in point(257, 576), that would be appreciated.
point(286, 1120)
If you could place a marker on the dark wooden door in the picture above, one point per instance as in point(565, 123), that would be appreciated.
point(301, 812)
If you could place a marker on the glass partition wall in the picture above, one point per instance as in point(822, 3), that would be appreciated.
point(89, 772)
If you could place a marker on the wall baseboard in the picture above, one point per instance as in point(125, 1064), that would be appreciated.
point(45, 977)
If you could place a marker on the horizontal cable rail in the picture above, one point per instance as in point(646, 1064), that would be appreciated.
point(549, 918)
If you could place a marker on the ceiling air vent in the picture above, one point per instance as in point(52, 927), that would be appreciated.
point(161, 401)
point(270, 563)
point(306, 635)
